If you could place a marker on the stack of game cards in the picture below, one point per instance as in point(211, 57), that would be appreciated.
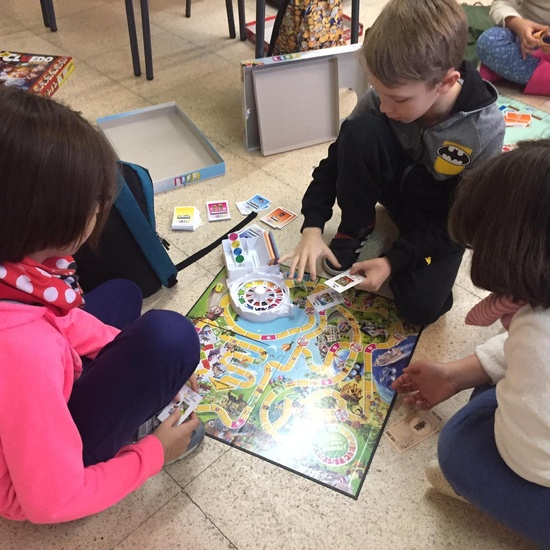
point(186, 218)
point(253, 204)
point(279, 218)
point(218, 210)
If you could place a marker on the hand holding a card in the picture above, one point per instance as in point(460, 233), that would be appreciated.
point(375, 271)
point(310, 248)
point(431, 383)
point(175, 438)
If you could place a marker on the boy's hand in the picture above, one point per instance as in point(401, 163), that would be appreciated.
point(375, 271)
point(310, 248)
point(524, 29)
point(431, 380)
point(175, 439)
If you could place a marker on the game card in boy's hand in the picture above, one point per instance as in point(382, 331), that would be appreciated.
point(414, 428)
point(344, 280)
point(189, 401)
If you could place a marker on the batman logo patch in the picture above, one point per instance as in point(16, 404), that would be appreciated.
point(454, 155)
point(452, 158)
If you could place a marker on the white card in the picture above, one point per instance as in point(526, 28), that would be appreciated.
point(324, 299)
point(344, 280)
point(189, 401)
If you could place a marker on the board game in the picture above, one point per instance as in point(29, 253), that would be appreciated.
point(310, 392)
point(539, 128)
point(41, 74)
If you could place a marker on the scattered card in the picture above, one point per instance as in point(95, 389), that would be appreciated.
point(279, 218)
point(324, 299)
point(344, 280)
point(251, 231)
point(253, 204)
point(189, 401)
point(218, 210)
point(414, 428)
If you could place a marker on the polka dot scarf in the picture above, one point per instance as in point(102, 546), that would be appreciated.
point(53, 283)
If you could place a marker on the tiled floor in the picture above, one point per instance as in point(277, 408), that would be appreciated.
point(220, 497)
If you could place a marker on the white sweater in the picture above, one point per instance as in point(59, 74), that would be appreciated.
point(534, 10)
point(518, 362)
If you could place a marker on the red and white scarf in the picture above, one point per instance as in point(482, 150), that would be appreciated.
point(53, 283)
point(492, 308)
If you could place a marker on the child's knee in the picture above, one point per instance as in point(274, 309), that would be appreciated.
point(170, 332)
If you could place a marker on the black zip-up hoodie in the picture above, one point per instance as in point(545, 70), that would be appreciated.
point(473, 132)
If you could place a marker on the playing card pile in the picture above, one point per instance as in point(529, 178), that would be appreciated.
point(279, 218)
point(515, 119)
point(218, 210)
point(253, 204)
point(189, 401)
point(414, 428)
point(186, 218)
point(344, 280)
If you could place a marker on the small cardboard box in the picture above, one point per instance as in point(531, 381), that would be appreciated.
point(269, 22)
point(164, 140)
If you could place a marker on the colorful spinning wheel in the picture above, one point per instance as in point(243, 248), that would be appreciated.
point(260, 295)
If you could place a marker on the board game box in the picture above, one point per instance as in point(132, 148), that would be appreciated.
point(41, 74)
point(310, 392)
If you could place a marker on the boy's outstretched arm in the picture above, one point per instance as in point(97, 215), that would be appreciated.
point(310, 248)
point(431, 383)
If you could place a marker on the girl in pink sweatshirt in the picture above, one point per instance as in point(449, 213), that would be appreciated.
point(74, 386)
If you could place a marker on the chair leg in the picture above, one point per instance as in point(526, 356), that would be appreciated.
point(230, 18)
point(260, 28)
point(131, 18)
point(45, 16)
point(147, 48)
point(354, 21)
point(48, 14)
point(187, 8)
point(242, 19)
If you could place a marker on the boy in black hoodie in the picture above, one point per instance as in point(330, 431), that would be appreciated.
point(427, 117)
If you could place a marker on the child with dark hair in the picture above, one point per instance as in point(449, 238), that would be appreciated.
point(495, 452)
point(428, 117)
point(79, 379)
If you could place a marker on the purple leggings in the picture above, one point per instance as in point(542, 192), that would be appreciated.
point(134, 376)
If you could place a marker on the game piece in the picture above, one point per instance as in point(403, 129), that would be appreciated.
point(255, 283)
point(187, 403)
point(344, 280)
point(414, 428)
point(186, 218)
point(279, 218)
point(218, 210)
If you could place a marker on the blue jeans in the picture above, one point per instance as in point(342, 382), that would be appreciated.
point(470, 461)
point(499, 49)
point(134, 376)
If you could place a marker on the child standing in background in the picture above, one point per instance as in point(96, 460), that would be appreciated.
point(427, 117)
point(73, 388)
point(495, 452)
point(514, 50)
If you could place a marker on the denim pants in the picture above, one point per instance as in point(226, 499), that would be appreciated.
point(134, 376)
point(470, 461)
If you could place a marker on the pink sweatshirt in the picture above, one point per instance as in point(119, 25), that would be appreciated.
point(42, 476)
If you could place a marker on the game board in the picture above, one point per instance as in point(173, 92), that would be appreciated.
point(310, 392)
point(539, 127)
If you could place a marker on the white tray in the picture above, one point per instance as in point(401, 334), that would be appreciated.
point(164, 140)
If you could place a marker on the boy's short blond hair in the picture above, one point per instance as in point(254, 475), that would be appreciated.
point(416, 41)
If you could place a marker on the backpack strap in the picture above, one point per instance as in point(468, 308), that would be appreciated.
point(143, 230)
